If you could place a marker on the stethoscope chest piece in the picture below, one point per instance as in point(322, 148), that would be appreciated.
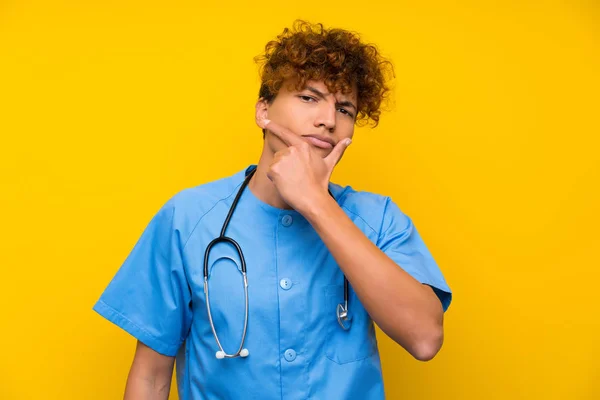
point(343, 318)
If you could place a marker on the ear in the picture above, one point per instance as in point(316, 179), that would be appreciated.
point(262, 111)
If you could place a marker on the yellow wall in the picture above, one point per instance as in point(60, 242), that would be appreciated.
point(107, 109)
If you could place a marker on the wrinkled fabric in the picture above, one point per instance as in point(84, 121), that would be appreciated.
point(297, 348)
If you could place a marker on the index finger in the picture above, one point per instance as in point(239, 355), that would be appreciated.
point(287, 136)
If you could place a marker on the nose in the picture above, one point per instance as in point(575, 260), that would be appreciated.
point(326, 116)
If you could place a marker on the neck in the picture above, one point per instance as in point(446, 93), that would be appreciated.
point(262, 187)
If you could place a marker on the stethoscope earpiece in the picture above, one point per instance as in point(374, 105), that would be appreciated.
point(221, 354)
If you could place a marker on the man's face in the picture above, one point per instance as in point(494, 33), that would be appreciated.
point(320, 117)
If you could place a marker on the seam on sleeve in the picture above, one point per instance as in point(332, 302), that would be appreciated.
point(387, 202)
point(209, 210)
point(166, 347)
point(362, 219)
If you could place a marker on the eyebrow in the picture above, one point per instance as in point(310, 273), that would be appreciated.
point(339, 103)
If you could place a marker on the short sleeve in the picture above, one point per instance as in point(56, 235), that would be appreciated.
point(149, 296)
point(400, 240)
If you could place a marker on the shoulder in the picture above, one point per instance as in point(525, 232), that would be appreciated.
point(373, 208)
point(205, 196)
point(186, 208)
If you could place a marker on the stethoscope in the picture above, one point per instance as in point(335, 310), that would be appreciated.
point(341, 309)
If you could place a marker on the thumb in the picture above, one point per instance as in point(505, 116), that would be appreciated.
point(338, 151)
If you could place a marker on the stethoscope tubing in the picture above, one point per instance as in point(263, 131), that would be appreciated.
point(341, 310)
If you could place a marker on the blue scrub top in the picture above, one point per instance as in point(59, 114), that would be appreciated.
point(297, 348)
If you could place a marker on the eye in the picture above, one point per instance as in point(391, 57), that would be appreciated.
point(307, 98)
point(344, 111)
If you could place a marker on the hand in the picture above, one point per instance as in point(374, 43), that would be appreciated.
point(301, 175)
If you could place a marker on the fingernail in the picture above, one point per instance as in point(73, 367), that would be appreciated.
point(348, 141)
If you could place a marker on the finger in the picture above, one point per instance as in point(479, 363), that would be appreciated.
point(287, 136)
point(338, 151)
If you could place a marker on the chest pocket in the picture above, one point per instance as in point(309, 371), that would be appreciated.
point(358, 342)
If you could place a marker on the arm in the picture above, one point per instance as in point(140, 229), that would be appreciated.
point(406, 310)
point(150, 375)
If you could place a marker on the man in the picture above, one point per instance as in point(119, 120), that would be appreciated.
point(304, 333)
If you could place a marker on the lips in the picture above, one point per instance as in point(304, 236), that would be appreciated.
point(318, 142)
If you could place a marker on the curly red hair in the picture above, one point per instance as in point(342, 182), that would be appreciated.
point(335, 56)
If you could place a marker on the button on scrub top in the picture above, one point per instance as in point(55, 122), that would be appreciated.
point(297, 348)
